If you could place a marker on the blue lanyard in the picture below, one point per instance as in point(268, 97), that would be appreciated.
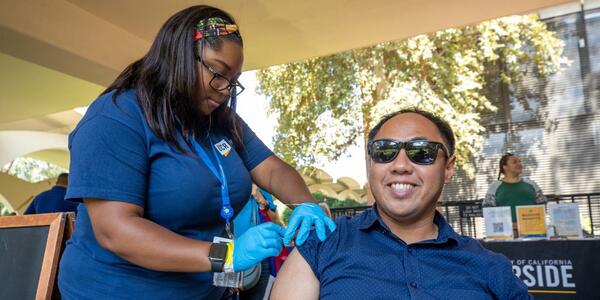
point(226, 209)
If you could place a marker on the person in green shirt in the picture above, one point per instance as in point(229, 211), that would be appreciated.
point(513, 190)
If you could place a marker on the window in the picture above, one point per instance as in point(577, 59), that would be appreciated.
point(565, 89)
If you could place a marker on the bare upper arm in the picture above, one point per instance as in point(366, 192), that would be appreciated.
point(110, 217)
point(295, 280)
point(261, 174)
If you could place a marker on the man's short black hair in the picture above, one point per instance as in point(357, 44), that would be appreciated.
point(62, 178)
point(443, 126)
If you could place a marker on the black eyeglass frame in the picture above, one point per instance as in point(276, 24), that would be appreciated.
point(399, 145)
point(232, 86)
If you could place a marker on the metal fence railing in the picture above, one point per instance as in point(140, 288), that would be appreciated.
point(466, 217)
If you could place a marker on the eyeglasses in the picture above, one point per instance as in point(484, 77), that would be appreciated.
point(421, 152)
point(220, 83)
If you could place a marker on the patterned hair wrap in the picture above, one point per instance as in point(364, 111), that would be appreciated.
point(214, 27)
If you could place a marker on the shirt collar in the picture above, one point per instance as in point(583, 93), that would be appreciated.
point(371, 218)
point(445, 232)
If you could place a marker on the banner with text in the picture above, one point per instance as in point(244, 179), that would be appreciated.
point(555, 269)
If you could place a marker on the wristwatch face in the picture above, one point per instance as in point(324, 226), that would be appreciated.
point(218, 251)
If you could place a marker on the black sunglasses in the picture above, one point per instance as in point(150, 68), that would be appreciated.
point(219, 82)
point(421, 152)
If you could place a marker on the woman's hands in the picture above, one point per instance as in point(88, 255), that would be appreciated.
point(304, 216)
point(285, 183)
point(256, 244)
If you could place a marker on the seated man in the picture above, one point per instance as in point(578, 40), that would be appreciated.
point(401, 248)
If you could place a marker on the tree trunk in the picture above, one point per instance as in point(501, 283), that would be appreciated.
point(366, 127)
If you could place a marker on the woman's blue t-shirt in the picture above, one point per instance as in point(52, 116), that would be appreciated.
point(115, 156)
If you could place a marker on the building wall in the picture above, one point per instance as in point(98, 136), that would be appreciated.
point(552, 124)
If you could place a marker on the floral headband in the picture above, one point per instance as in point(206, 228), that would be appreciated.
point(214, 27)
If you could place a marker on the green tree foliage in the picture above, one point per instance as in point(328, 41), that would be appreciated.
point(285, 218)
point(323, 105)
point(4, 211)
point(33, 170)
point(336, 203)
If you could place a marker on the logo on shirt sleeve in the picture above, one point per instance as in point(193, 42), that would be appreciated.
point(223, 148)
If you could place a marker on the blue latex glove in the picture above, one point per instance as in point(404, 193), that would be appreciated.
point(303, 217)
point(256, 244)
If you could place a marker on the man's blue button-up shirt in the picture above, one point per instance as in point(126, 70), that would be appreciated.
point(363, 259)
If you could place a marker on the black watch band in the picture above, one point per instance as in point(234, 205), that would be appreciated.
point(217, 255)
point(216, 266)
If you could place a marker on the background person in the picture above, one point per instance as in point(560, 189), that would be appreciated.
point(162, 162)
point(53, 200)
point(513, 190)
point(266, 206)
point(266, 211)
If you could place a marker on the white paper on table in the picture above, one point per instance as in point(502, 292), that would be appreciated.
point(566, 219)
point(498, 222)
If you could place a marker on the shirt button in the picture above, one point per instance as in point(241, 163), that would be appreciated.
point(409, 250)
point(413, 284)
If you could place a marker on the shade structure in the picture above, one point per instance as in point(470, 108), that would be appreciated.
point(58, 55)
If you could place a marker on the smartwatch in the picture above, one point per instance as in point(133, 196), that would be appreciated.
point(217, 255)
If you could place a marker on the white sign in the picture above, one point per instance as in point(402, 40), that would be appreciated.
point(498, 222)
point(566, 219)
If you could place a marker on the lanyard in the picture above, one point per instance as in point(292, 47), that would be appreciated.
point(226, 209)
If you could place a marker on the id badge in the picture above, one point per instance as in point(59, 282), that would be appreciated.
point(223, 279)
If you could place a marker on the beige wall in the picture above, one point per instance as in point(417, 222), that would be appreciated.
point(17, 193)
